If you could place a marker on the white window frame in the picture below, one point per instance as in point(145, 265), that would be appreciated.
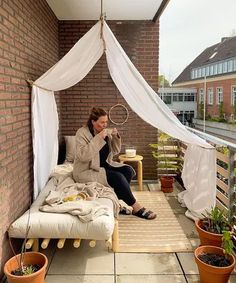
point(233, 95)
point(219, 95)
point(210, 97)
point(230, 66)
point(220, 68)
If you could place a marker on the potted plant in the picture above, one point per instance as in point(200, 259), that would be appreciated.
point(211, 227)
point(215, 264)
point(165, 161)
point(26, 267)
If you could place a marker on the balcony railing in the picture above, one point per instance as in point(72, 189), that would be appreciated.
point(225, 175)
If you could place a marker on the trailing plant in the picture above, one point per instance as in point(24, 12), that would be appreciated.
point(227, 242)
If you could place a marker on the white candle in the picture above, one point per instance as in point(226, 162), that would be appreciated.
point(130, 152)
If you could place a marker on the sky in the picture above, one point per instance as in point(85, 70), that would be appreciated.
point(187, 27)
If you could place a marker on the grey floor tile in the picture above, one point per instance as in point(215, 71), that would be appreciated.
point(188, 226)
point(49, 252)
point(150, 279)
point(188, 263)
point(194, 242)
point(195, 279)
point(80, 279)
point(175, 205)
point(134, 263)
point(84, 260)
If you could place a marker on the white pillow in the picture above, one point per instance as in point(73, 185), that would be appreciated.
point(70, 148)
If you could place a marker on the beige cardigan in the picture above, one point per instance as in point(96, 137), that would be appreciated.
point(87, 160)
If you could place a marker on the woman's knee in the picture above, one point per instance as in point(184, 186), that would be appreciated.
point(128, 171)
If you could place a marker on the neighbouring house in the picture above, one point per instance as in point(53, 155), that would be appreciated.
point(213, 74)
point(182, 101)
point(34, 36)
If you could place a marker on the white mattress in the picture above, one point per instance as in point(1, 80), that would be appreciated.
point(58, 225)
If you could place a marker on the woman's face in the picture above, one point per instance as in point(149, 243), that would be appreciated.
point(100, 124)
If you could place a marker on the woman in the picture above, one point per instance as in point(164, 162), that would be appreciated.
point(95, 148)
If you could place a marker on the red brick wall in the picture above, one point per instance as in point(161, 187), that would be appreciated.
point(213, 110)
point(140, 40)
point(28, 47)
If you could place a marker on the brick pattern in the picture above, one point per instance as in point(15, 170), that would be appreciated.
point(140, 41)
point(28, 47)
point(213, 110)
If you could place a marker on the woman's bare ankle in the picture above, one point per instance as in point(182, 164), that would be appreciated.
point(136, 207)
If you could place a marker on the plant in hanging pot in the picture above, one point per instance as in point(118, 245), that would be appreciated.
point(211, 227)
point(26, 267)
point(215, 264)
point(165, 161)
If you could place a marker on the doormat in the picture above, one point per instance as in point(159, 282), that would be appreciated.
point(163, 234)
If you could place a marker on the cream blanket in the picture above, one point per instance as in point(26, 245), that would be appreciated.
point(64, 200)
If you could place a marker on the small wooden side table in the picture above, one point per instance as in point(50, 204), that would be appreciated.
point(138, 158)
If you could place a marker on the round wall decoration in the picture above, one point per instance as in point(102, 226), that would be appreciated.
point(118, 105)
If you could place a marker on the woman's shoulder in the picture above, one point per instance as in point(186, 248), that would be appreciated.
point(82, 131)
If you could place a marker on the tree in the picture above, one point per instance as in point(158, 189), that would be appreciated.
point(162, 81)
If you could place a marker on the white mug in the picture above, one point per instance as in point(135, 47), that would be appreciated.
point(109, 131)
point(130, 152)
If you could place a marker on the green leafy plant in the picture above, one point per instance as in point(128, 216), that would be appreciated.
point(215, 222)
point(227, 242)
point(165, 160)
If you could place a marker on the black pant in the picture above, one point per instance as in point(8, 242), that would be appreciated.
point(119, 179)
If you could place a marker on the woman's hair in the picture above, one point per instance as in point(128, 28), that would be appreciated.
point(95, 114)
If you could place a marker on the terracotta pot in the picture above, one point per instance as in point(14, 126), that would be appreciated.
point(208, 238)
point(209, 273)
point(167, 184)
point(29, 258)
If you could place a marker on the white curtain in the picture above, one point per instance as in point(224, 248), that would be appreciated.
point(72, 68)
point(78, 62)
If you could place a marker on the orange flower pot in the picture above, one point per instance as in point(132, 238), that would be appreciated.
point(209, 273)
point(29, 258)
point(208, 238)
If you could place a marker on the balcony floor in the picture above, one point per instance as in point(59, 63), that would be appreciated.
point(98, 265)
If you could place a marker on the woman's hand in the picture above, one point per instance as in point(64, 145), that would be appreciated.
point(103, 134)
point(114, 132)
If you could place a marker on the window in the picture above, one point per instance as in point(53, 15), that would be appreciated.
point(201, 96)
point(233, 95)
point(192, 74)
point(230, 66)
point(167, 98)
point(189, 97)
point(180, 97)
point(219, 95)
point(199, 73)
point(203, 72)
point(207, 70)
point(175, 97)
point(210, 100)
point(220, 66)
point(211, 70)
point(215, 69)
point(234, 64)
point(224, 67)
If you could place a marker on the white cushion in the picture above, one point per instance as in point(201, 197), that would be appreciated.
point(70, 148)
point(57, 225)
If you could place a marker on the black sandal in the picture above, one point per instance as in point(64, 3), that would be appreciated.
point(125, 211)
point(145, 214)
